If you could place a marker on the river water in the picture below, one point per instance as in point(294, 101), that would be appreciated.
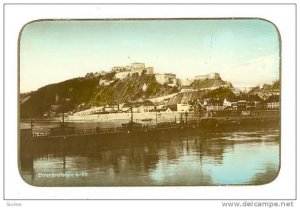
point(238, 157)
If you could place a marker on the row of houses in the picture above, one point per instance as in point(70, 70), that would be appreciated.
point(245, 103)
point(135, 107)
point(209, 105)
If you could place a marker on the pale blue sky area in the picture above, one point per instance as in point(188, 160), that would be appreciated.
point(245, 52)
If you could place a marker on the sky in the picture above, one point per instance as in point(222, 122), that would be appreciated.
point(244, 52)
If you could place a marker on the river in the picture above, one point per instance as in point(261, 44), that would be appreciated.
point(238, 157)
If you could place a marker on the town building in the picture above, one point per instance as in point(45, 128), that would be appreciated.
point(250, 104)
point(159, 107)
point(214, 105)
point(126, 108)
point(258, 102)
point(241, 104)
point(168, 108)
point(230, 104)
point(90, 111)
point(139, 107)
point(184, 107)
point(273, 102)
point(111, 108)
point(147, 106)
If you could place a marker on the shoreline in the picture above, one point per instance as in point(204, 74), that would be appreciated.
point(152, 117)
point(115, 120)
point(125, 116)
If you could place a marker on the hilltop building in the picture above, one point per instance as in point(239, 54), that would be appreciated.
point(137, 66)
point(134, 68)
point(166, 78)
point(118, 68)
point(208, 76)
point(188, 82)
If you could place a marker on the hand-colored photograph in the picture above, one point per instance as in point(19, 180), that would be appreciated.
point(149, 102)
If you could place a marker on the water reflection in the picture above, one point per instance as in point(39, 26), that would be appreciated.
point(210, 159)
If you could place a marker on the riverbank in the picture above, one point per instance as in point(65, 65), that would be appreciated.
point(166, 116)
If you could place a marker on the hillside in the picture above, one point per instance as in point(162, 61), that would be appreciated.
point(79, 90)
point(130, 89)
point(204, 91)
point(82, 93)
point(184, 97)
point(88, 91)
point(266, 90)
point(266, 87)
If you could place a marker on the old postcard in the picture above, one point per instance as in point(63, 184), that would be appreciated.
point(149, 102)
